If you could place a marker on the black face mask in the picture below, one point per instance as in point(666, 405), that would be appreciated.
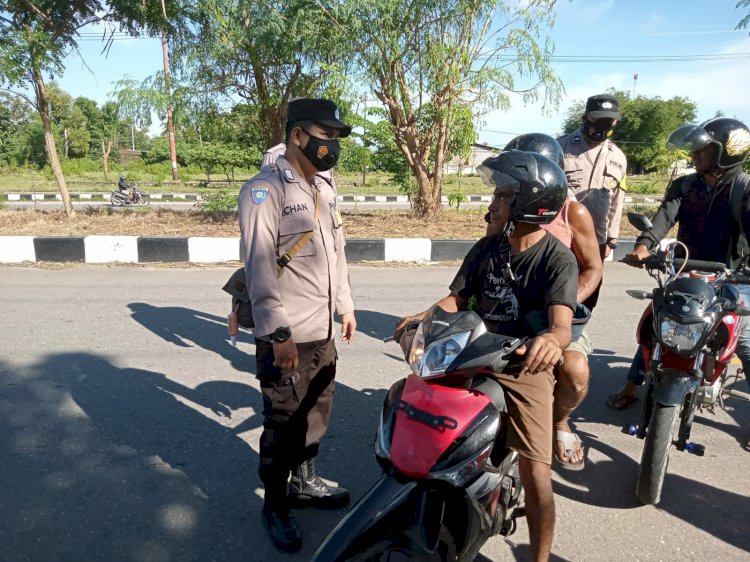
point(322, 153)
point(597, 132)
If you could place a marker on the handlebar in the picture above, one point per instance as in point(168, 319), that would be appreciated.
point(657, 262)
point(700, 265)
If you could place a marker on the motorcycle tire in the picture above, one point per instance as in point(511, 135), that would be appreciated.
point(655, 457)
point(399, 547)
point(114, 201)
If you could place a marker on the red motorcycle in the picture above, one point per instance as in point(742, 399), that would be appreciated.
point(449, 481)
point(688, 335)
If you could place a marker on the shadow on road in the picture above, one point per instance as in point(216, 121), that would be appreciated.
point(611, 484)
point(102, 462)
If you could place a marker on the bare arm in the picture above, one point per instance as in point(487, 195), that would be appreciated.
point(544, 351)
point(586, 249)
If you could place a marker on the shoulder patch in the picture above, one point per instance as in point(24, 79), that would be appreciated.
point(259, 193)
point(288, 174)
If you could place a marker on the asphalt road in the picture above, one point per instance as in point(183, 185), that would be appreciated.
point(130, 426)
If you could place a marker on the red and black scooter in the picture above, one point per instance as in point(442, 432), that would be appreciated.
point(449, 483)
point(688, 335)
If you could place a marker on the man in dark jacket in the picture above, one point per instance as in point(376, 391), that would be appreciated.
point(712, 210)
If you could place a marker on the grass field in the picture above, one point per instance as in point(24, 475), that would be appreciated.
point(350, 184)
point(452, 225)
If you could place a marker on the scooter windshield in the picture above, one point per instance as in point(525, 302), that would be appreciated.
point(689, 137)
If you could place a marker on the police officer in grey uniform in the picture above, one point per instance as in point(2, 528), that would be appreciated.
point(596, 170)
point(296, 285)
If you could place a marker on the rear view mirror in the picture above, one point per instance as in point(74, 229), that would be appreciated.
point(639, 221)
point(640, 295)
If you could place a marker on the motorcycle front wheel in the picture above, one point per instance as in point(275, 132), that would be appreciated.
point(655, 457)
point(400, 548)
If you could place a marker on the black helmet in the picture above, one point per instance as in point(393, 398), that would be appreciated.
point(538, 142)
point(731, 136)
point(539, 184)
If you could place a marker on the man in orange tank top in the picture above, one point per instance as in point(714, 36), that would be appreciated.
point(574, 227)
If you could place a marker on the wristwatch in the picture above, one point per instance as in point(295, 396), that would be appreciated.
point(612, 243)
point(281, 334)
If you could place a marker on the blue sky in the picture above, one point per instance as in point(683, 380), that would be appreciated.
point(627, 29)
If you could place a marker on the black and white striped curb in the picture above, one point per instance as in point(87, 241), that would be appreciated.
point(104, 196)
point(145, 249)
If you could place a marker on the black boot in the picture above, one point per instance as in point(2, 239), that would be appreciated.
point(282, 528)
point(307, 489)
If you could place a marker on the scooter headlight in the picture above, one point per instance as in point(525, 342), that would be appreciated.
point(438, 357)
point(683, 337)
point(459, 475)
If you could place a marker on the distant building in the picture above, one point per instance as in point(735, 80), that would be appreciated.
point(478, 154)
point(127, 155)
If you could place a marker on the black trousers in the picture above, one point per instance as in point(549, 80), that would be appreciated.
point(297, 409)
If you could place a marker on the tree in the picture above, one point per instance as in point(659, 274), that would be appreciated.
point(264, 52)
point(743, 23)
point(36, 35)
point(15, 121)
point(643, 129)
point(431, 57)
point(134, 103)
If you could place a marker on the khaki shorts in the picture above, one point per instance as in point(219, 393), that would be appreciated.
point(581, 345)
point(529, 399)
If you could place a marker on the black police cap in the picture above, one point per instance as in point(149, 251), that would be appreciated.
point(318, 110)
point(603, 106)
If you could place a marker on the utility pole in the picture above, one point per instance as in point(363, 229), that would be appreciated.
point(170, 122)
point(364, 132)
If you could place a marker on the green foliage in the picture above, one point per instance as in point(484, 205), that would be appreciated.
point(220, 201)
point(429, 59)
point(80, 166)
point(643, 129)
point(456, 198)
point(354, 156)
point(264, 52)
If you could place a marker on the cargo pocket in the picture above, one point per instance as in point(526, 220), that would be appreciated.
point(291, 230)
point(280, 398)
point(575, 178)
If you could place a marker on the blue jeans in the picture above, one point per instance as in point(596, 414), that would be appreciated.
point(638, 366)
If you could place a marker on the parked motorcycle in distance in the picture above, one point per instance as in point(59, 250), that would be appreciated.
point(132, 199)
point(449, 482)
point(688, 335)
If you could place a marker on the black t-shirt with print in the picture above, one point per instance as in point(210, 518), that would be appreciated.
point(545, 274)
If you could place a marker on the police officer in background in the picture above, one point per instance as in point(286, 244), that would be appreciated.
point(295, 289)
point(595, 168)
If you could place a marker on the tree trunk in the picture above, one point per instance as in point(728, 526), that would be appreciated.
point(106, 149)
point(66, 143)
point(49, 140)
point(170, 120)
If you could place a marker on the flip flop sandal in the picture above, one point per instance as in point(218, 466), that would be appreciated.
point(569, 440)
point(620, 401)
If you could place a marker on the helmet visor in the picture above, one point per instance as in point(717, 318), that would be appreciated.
point(690, 138)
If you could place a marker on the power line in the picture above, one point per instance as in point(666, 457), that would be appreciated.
point(629, 58)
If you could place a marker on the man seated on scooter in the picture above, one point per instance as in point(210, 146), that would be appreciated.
point(524, 283)
point(124, 188)
point(574, 227)
point(712, 208)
